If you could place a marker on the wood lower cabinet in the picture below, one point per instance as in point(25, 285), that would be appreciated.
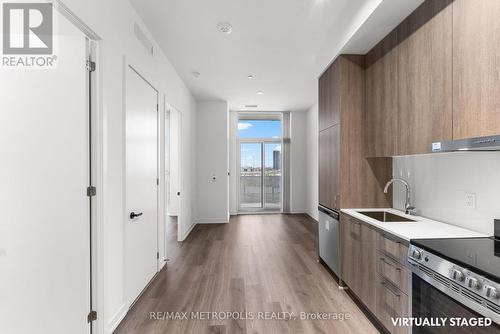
point(373, 266)
point(350, 230)
point(391, 303)
point(359, 259)
point(476, 75)
point(329, 167)
point(368, 266)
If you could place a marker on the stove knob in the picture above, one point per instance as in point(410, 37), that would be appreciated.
point(473, 283)
point(416, 254)
point(491, 292)
point(457, 275)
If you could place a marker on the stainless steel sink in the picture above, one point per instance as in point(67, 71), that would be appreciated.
point(387, 217)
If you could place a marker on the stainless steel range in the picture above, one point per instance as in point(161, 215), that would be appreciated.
point(457, 280)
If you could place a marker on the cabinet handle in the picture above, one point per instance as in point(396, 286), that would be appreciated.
point(355, 221)
point(390, 240)
point(390, 264)
point(388, 288)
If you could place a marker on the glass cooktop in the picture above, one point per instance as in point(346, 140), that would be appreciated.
point(480, 255)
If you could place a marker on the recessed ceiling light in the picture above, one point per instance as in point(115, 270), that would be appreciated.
point(196, 74)
point(260, 92)
point(251, 106)
point(225, 27)
point(250, 76)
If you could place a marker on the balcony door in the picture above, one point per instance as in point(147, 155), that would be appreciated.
point(260, 180)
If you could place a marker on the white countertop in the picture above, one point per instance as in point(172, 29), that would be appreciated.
point(423, 228)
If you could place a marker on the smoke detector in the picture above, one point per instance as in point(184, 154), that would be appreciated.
point(225, 27)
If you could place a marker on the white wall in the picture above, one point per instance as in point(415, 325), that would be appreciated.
point(114, 22)
point(298, 162)
point(212, 160)
point(312, 161)
point(233, 162)
point(440, 182)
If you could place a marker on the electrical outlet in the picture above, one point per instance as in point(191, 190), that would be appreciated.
point(470, 200)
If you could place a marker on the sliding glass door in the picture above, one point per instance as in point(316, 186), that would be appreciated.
point(251, 175)
point(260, 176)
point(272, 175)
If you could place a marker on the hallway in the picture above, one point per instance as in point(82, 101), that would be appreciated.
point(254, 264)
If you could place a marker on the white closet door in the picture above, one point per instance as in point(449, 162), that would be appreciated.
point(141, 232)
point(44, 173)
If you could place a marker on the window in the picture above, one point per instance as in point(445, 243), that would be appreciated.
point(248, 128)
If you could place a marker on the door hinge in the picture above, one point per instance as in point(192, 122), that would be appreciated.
point(157, 255)
point(178, 193)
point(90, 66)
point(92, 316)
point(157, 182)
point(91, 191)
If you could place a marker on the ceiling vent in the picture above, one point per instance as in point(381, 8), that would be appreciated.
point(225, 27)
point(141, 37)
point(251, 106)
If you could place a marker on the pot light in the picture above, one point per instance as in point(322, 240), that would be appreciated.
point(250, 76)
point(225, 27)
point(260, 92)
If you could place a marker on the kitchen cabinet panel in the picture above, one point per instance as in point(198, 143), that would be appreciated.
point(381, 111)
point(391, 304)
point(329, 167)
point(329, 96)
point(394, 272)
point(373, 265)
point(368, 268)
point(350, 230)
point(425, 77)
point(476, 62)
point(359, 259)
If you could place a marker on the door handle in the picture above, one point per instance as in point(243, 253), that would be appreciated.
point(135, 215)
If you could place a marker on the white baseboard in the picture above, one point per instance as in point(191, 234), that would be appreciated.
point(117, 319)
point(185, 235)
point(212, 221)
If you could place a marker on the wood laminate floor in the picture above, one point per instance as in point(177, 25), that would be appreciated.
point(254, 264)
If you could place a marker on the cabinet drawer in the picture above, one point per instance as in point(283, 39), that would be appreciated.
point(392, 248)
point(394, 272)
point(391, 304)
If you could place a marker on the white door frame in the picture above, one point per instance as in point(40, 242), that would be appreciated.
point(172, 109)
point(262, 141)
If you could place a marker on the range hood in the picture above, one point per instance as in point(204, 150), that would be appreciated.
point(490, 143)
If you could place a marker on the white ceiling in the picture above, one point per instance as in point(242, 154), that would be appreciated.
point(284, 44)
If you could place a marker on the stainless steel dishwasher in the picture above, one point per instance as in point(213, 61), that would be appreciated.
point(329, 238)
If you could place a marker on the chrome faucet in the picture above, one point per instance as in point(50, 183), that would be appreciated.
point(409, 210)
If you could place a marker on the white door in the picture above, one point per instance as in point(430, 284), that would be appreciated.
point(44, 173)
point(141, 184)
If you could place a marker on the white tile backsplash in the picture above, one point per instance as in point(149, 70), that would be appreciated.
point(440, 182)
